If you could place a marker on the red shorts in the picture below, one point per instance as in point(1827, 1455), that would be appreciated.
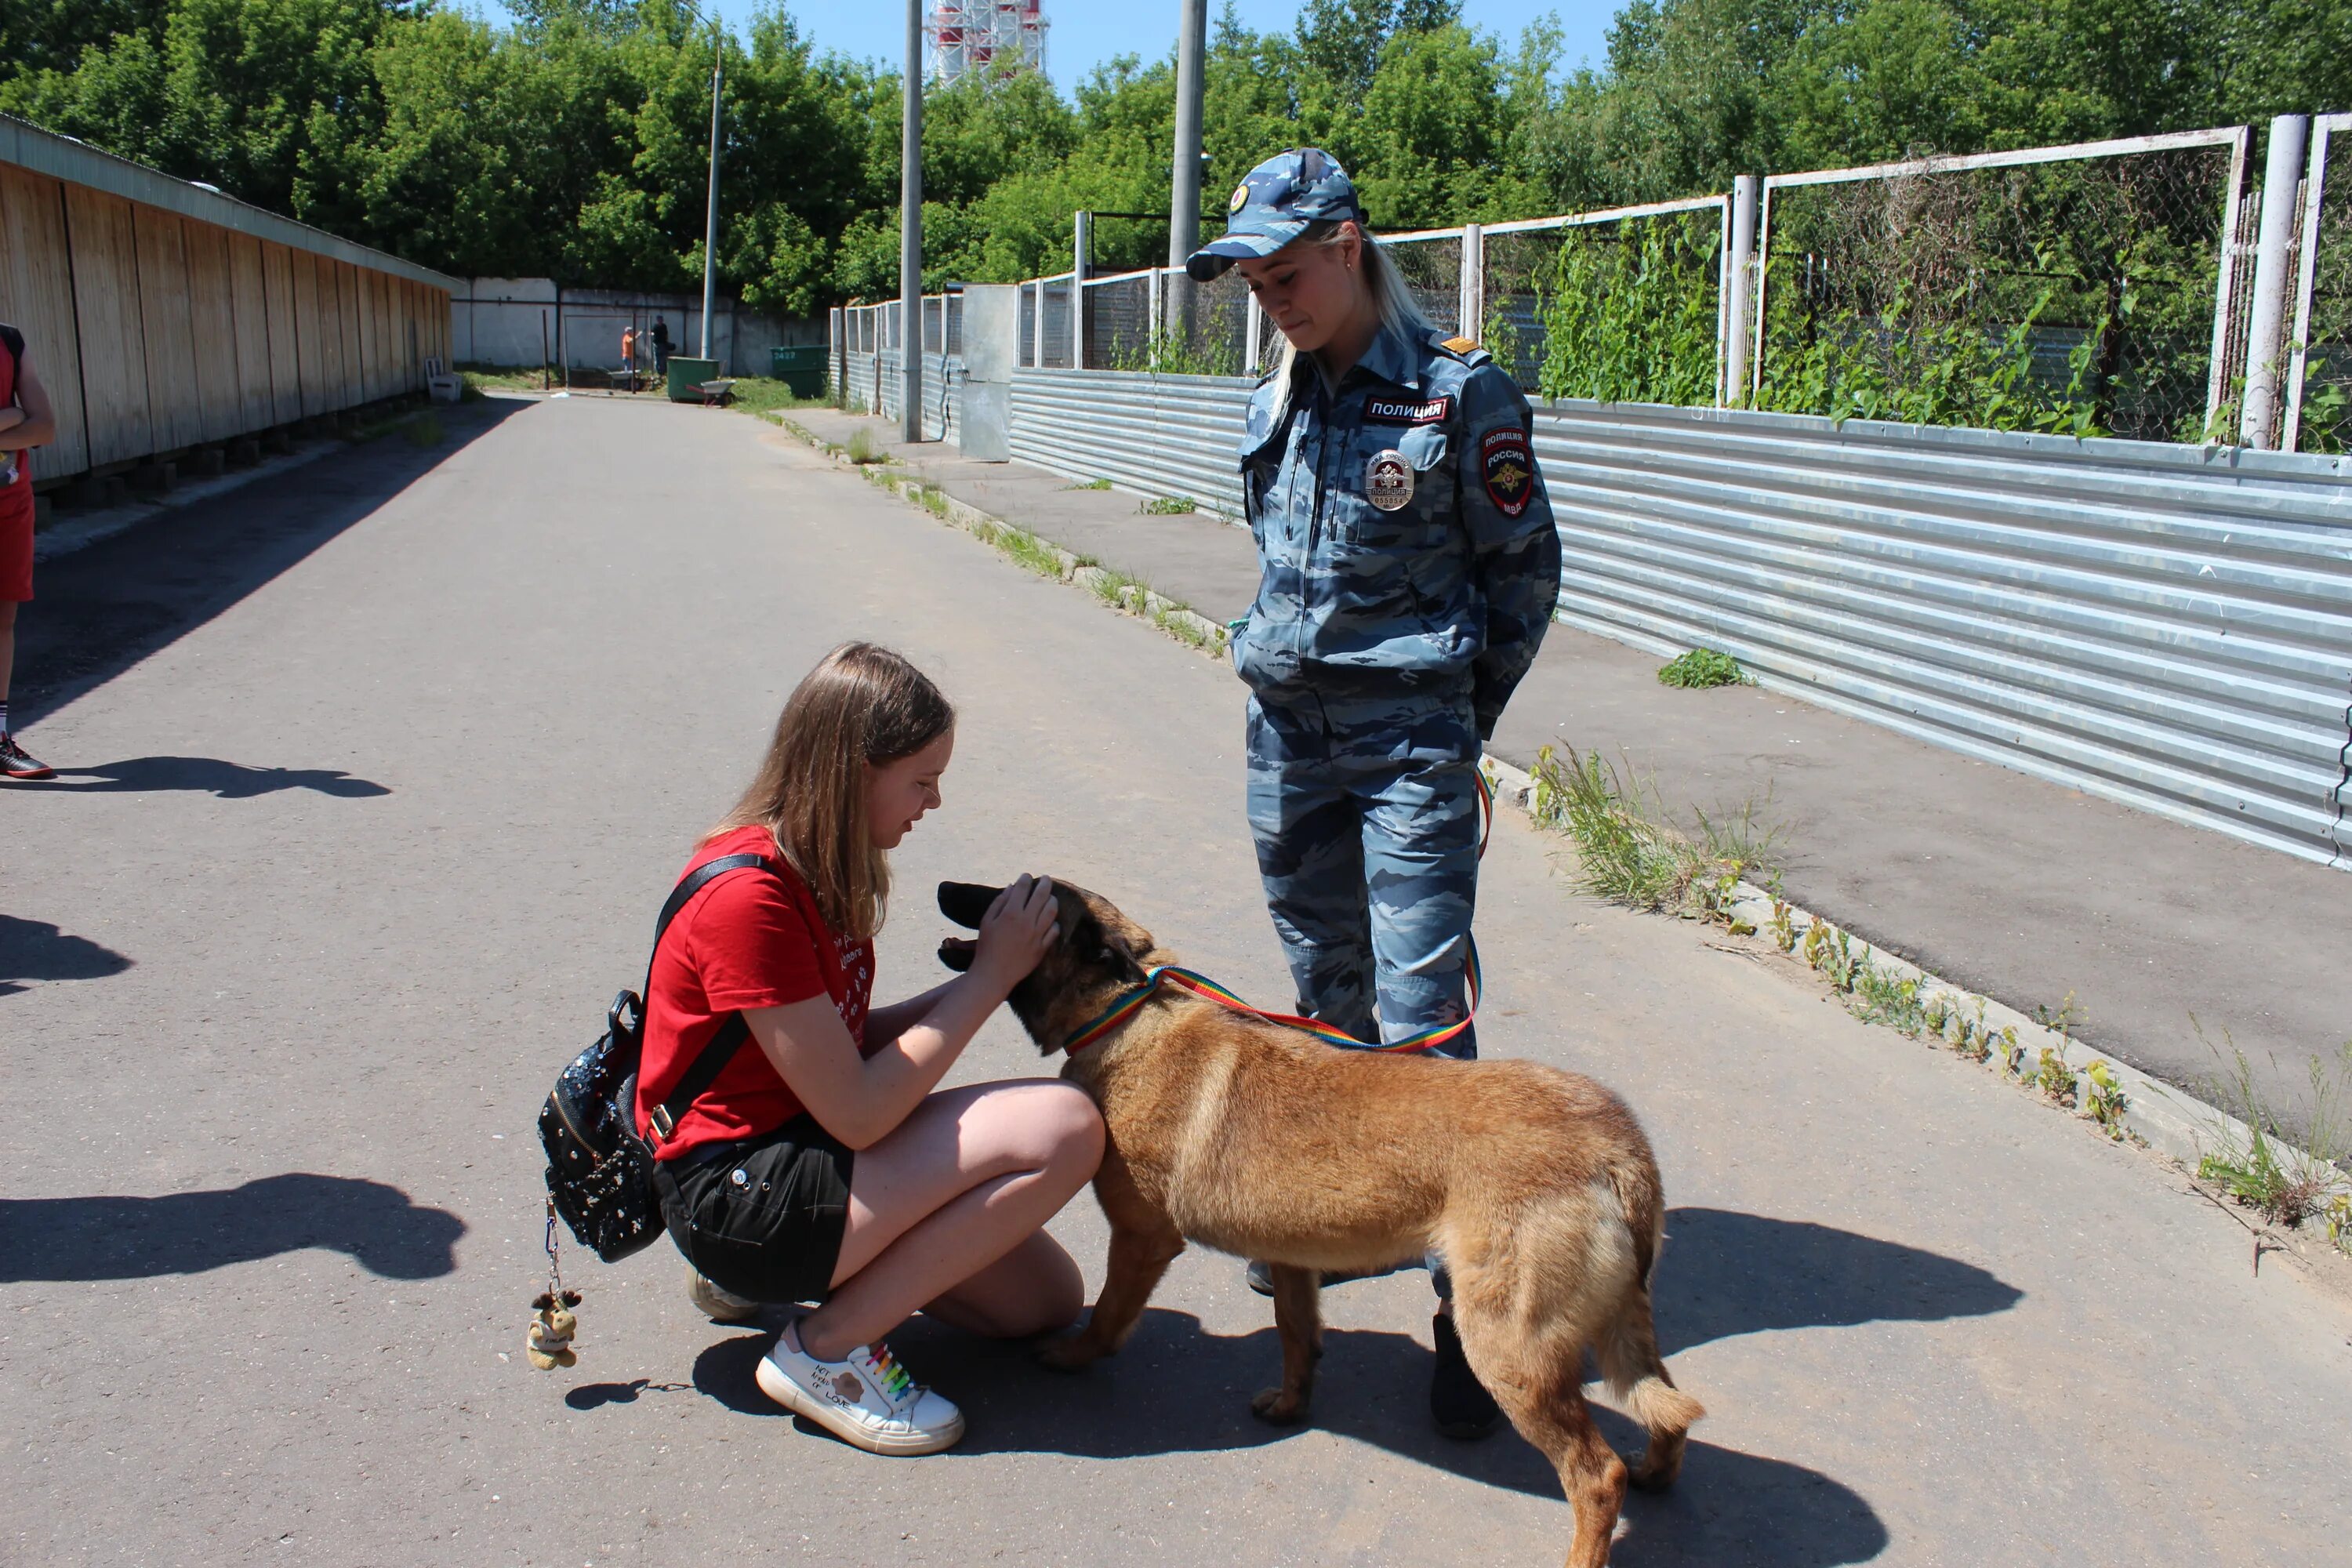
point(16, 544)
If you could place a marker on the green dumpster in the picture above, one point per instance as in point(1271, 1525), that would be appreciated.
point(687, 374)
point(801, 369)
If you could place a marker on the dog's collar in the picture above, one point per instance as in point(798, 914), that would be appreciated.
point(1109, 1021)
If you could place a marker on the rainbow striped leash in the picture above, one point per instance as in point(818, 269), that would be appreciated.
point(1194, 984)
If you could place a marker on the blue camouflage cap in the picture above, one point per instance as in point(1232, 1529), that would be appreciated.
point(1273, 205)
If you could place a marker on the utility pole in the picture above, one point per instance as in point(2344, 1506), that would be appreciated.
point(910, 234)
point(710, 223)
point(2266, 345)
point(1184, 170)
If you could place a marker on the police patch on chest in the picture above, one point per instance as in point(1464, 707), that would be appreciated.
point(1379, 409)
point(1388, 480)
point(1509, 470)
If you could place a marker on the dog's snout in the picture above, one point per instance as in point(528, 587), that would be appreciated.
point(966, 903)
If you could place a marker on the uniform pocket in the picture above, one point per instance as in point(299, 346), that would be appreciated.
point(1400, 488)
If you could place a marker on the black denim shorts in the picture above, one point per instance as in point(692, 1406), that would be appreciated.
point(763, 1217)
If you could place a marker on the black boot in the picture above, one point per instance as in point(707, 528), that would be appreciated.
point(1458, 1402)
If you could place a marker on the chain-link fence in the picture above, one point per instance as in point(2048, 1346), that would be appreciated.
point(1119, 322)
point(2067, 290)
point(1623, 306)
point(1207, 326)
point(1056, 292)
point(2320, 412)
point(1431, 266)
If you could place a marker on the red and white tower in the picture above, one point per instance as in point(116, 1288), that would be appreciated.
point(984, 38)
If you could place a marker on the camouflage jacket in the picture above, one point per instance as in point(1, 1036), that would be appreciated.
point(1404, 540)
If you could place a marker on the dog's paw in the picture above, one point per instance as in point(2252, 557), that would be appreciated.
point(1279, 1408)
point(1074, 1355)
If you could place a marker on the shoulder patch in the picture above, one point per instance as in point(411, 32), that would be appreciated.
point(1462, 345)
point(1508, 469)
point(1383, 408)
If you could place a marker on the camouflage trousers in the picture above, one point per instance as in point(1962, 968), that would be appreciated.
point(1366, 818)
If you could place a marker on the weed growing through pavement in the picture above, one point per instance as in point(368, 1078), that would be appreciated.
point(862, 449)
point(1029, 551)
point(1088, 485)
point(1167, 506)
point(2257, 1166)
point(1630, 851)
point(1705, 667)
point(2103, 1097)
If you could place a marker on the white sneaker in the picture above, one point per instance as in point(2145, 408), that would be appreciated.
point(869, 1399)
point(719, 1306)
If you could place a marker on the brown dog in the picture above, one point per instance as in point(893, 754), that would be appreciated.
point(1537, 1186)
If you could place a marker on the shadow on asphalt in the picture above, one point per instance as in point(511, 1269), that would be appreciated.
point(227, 781)
point(35, 949)
point(1724, 1273)
point(102, 609)
point(90, 1238)
point(1178, 1389)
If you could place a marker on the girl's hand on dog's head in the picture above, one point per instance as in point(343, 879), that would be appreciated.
point(1019, 925)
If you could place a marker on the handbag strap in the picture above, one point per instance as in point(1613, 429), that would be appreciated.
point(720, 1049)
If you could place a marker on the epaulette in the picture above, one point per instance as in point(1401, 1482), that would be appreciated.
point(1462, 345)
point(1466, 350)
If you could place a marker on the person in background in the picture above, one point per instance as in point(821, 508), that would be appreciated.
point(661, 345)
point(26, 421)
point(629, 354)
point(1408, 571)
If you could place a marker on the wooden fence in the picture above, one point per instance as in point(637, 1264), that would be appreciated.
point(155, 331)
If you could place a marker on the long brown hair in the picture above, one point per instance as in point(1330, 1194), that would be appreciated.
point(862, 704)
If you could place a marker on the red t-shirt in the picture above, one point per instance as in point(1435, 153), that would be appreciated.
point(16, 495)
point(750, 939)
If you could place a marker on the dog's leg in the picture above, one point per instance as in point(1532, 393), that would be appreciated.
point(1143, 1242)
point(1299, 1320)
point(1538, 1381)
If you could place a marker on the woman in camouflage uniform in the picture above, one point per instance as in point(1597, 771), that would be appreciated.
point(1408, 569)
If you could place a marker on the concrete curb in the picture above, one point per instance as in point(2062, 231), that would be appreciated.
point(2164, 1119)
point(81, 531)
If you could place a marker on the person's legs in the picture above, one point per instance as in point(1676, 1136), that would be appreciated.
point(7, 650)
point(961, 1185)
point(1310, 857)
point(1421, 863)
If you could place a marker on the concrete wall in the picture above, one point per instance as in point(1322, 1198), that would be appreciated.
point(504, 320)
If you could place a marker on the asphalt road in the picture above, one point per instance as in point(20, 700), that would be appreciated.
point(347, 865)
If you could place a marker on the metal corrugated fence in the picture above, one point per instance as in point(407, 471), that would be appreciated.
point(1162, 435)
point(2171, 627)
point(874, 389)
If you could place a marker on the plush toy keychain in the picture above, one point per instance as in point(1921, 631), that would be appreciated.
point(549, 1342)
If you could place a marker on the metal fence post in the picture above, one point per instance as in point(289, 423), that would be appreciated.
point(2314, 191)
point(1471, 310)
point(1081, 241)
point(1739, 280)
point(2229, 252)
point(2274, 249)
point(1253, 340)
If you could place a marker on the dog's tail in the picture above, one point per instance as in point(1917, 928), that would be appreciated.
point(1627, 1347)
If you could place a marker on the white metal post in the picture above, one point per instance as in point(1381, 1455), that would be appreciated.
point(1037, 328)
point(2314, 190)
point(1253, 340)
point(1472, 308)
point(2225, 286)
point(2274, 249)
point(1739, 285)
point(910, 232)
point(1081, 241)
point(710, 215)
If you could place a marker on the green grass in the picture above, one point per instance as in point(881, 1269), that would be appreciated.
point(761, 395)
point(1629, 849)
point(1705, 667)
point(481, 378)
point(862, 449)
point(1089, 485)
point(1166, 506)
point(2258, 1168)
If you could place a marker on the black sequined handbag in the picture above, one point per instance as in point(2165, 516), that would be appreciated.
point(600, 1173)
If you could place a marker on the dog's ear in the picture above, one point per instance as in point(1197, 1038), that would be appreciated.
point(966, 903)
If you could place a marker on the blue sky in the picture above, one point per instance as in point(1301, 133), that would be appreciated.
point(1086, 32)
